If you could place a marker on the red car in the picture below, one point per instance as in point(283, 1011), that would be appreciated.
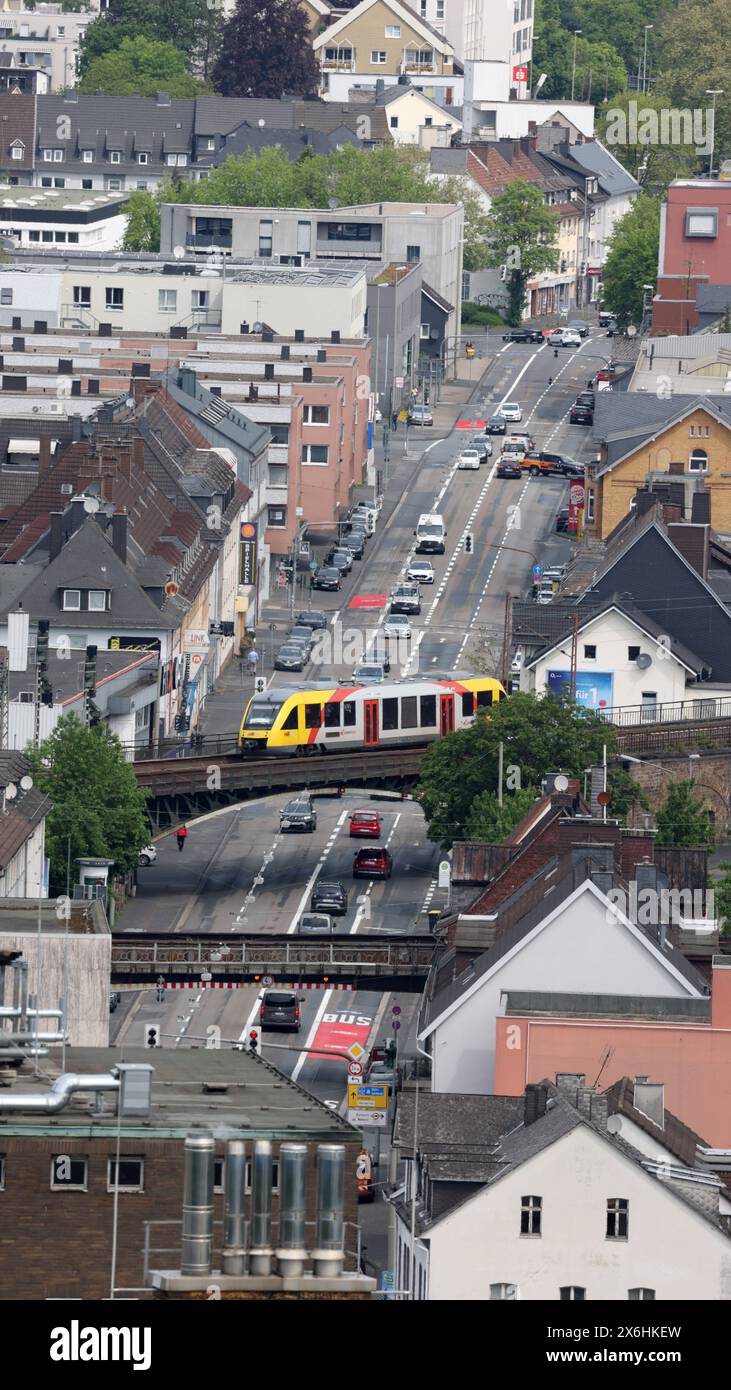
point(372, 863)
point(365, 824)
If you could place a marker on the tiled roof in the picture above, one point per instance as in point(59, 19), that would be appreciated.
point(17, 122)
point(677, 1137)
point(129, 124)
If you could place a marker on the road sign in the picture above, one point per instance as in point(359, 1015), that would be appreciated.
point(355, 1069)
point(368, 1119)
point(520, 74)
point(395, 1025)
point(356, 1051)
point(396, 1009)
point(267, 980)
point(399, 382)
point(367, 1097)
point(537, 571)
point(444, 874)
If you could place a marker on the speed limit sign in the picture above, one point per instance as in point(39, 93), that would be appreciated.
point(355, 1068)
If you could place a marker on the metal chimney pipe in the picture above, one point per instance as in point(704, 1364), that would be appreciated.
point(292, 1254)
point(234, 1221)
point(197, 1246)
point(261, 1253)
point(22, 995)
point(329, 1255)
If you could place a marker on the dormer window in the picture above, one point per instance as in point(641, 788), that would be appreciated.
point(17, 149)
point(87, 156)
point(115, 156)
point(97, 600)
point(72, 600)
point(143, 157)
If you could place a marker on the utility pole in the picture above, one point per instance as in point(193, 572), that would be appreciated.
point(507, 636)
point(574, 654)
point(4, 712)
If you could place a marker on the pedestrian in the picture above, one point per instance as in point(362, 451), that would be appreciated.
point(181, 836)
point(394, 420)
point(253, 660)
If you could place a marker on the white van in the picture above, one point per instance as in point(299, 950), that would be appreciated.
point(431, 534)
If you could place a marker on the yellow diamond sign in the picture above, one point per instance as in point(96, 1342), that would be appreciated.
point(356, 1051)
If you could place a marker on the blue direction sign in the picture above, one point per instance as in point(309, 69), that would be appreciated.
point(537, 571)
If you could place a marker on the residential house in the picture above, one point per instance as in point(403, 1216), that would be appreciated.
point(50, 218)
point(229, 125)
point(17, 135)
point(22, 830)
point(414, 119)
point(17, 78)
point(490, 111)
point(380, 39)
point(695, 245)
point(119, 144)
point(46, 38)
point(435, 311)
point(554, 1203)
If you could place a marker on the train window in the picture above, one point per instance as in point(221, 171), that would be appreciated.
point(389, 714)
point(332, 715)
point(291, 720)
point(313, 716)
point(428, 711)
point(484, 697)
point(349, 713)
point(409, 714)
point(468, 704)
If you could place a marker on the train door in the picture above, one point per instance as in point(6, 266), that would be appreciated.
point(446, 715)
point(370, 723)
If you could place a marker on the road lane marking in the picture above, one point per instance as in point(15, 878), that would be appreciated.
point(312, 1034)
point(315, 875)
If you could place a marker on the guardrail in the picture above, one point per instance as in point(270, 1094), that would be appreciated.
point(698, 711)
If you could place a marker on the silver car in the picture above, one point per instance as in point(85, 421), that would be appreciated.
point(397, 625)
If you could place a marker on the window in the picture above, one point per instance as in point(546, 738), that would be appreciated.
point(349, 231)
point(34, 236)
point(199, 299)
point(440, 9)
point(131, 1174)
point(141, 185)
point(392, 31)
point(648, 699)
point(632, 653)
point(48, 156)
point(59, 237)
point(167, 301)
point(115, 156)
point(143, 157)
point(348, 714)
point(418, 57)
point(424, 331)
point(413, 253)
point(468, 705)
point(87, 156)
point(502, 1291)
point(484, 697)
point(428, 121)
point(87, 183)
point(57, 156)
point(277, 516)
point(313, 716)
point(530, 1216)
point(692, 431)
point(317, 415)
point(291, 720)
point(173, 160)
point(640, 1295)
point(331, 718)
point(114, 185)
point(82, 295)
point(590, 652)
point(590, 505)
point(422, 9)
point(378, 57)
point(572, 1293)
point(6, 296)
point(17, 152)
point(59, 183)
point(97, 600)
point(72, 599)
point(68, 1174)
point(428, 711)
point(389, 714)
point(698, 461)
point(338, 55)
point(46, 183)
point(701, 222)
point(617, 1216)
point(409, 712)
point(315, 453)
point(265, 237)
point(114, 297)
point(394, 122)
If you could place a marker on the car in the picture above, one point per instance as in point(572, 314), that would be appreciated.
point(115, 1000)
point(367, 509)
point(291, 657)
point(510, 410)
point(315, 924)
point(148, 855)
point(468, 459)
point(605, 318)
point(365, 824)
point(555, 338)
point(377, 415)
point(326, 577)
point(405, 598)
point(519, 438)
point(382, 1072)
point(581, 415)
point(571, 338)
point(314, 618)
point(562, 519)
point(354, 541)
point(358, 530)
point(372, 863)
point(340, 560)
point(543, 461)
point(578, 326)
point(523, 335)
point(509, 468)
point(483, 445)
point(329, 897)
point(585, 398)
point(420, 415)
point(280, 1008)
point(397, 625)
point(421, 571)
point(365, 518)
point(301, 632)
point(513, 453)
point(495, 425)
point(370, 672)
point(298, 814)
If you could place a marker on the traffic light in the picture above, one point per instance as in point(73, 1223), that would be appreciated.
point(90, 670)
point(260, 685)
point(153, 1035)
point(254, 1041)
point(42, 643)
point(468, 543)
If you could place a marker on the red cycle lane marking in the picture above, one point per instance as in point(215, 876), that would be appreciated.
point(368, 601)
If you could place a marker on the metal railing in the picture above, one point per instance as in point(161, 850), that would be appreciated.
point(679, 712)
point(77, 316)
point(251, 951)
point(351, 1229)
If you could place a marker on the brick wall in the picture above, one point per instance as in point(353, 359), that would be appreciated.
point(711, 775)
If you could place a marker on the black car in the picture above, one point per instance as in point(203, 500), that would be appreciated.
point(481, 444)
point(562, 519)
point(355, 543)
point(523, 335)
point(302, 633)
point(496, 425)
point(585, 398)
point(325, 578)
point(280, 1009)
point(298, 814)
point(509, 468)
point(340, 560)
point(329, 897)
point(314, 618)
point(581, 415)
point(291, 657)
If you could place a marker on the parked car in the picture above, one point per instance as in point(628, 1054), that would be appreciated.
point(495, 425)
point(421, 571)
point(482, 445)
point(523, 335)
point(581, 415)
point(468, 459)
point(115, 1000)
point(314, 618)
point(280, 1009)
point(578, 326)
point(298, 814)
point(366, 824)
point(585, 398)
point(148, 855)
point(397, 625)
point(329, 897)
point(372, 863)
point(315, 924)
point(370, 673)
point(605, 318)
point(510, 410)
point(327, 577)
point(340, 560)
point(420, 415)
point(509, 468)
point(301, 632)
point(354, 541)
point(291, 657)
point(383, 1073)
point(405, 598)
point(562, 519)
point(358, 529)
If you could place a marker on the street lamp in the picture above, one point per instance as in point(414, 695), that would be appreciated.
point(648, 27)
point(713, 92)
point(573, 69)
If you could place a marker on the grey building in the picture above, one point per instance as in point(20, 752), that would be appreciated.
point(124, 143)
point(393, 321)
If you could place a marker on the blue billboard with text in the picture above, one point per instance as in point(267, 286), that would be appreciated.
point(593, 688)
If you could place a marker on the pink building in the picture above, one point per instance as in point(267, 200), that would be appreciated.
point(695, 249)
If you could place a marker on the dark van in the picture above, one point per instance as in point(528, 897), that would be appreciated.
point(280, 1009)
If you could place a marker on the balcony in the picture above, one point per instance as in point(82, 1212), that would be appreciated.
point(278, 454)
point(209, 241)
point(418, 61)
point(342, 61)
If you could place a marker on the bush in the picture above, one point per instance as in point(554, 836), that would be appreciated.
point(475, 314)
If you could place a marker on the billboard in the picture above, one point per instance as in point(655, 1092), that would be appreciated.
point(576, 504)
point(247, 552)
point(593, 688)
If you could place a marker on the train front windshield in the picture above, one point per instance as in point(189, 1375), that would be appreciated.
point(262, 713)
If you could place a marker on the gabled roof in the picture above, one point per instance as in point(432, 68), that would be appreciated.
point(677, 1137)
point(129, 124)
point(17, 125)
point(638, 419)
point(436, 298)
point(693, 664)
point(395, 7)
point(398, 91)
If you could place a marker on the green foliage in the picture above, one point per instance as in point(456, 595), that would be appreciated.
point(722, 897)
point(96, 799)
point(191, 25)
point(142, 65)
point(725, 324)
point(266, 51)
point(610, 45)
point(694, 55)
point(522, 234)
point(624, 793)
point(539, 736)
point(633, 143)
point(490, 822)
point(142, 233)
point(683, 819)
point(632, 261)
point(480, 317)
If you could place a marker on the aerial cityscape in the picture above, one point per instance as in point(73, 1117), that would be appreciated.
point(365, 661)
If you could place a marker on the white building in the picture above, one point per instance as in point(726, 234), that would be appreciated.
point(51, 217)
point(23, 812)
point(47, 37)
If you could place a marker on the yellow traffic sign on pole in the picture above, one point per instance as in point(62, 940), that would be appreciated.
point(367, 1097)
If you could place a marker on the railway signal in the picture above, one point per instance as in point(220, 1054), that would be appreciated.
point(254, 1040)
point(153, 1035)
point(469, 541)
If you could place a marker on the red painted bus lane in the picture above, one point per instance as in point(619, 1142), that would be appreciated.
point(338, 1031)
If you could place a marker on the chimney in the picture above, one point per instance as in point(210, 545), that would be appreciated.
point(569, 1082)
point(119, 535)
point(56, 540)
point(77, 514)
point(138, 454)
point(599, 1110)
point(649, 1098)
point(335, 335)
point(536, 1098)
point(44, 456)
point(721, 992)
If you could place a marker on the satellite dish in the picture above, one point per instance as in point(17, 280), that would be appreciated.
point(258, 327)
point(130, 402)
point(561, 783)
point(11, 791)
point(614, 1124)
point(261, 124)
point(26, 783)
point(644, 660)
point(178, 252)
point(91, 505)
point(631, 331)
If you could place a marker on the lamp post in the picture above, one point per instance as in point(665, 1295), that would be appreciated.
point(648, 27)
point(713, 92)
point(573, 68)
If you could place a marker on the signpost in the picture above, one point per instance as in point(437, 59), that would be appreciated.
point(364, 1097)
point(355, 1069)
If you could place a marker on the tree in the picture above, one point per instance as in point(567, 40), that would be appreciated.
point(632, 261)
point(638, 129)
point(522, 234)
point(539, 735)
point(96, 799)
point(694, 55)
point(142, 233)
point(725, 324)
point(193, 25)
point(266, 51)
point(683, 819)
point(141, 65)
point(624, 794)
point(722, 897)
point(489, 821)
point(611, 43)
